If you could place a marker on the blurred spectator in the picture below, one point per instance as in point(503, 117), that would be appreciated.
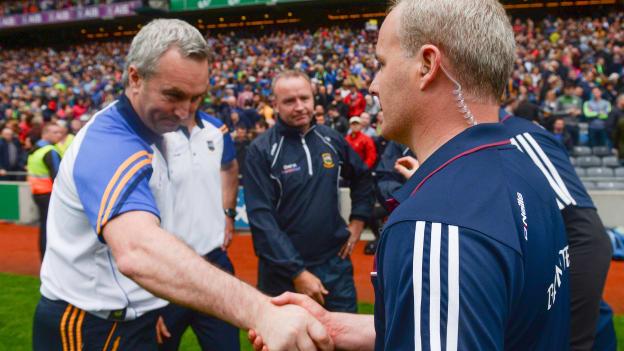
point(354, 99)
point(526, 109)
point(618, 137)
point(266, 111)
point(597, 111)
point(261, 127)
point(616, 115)
point(76, 125)
point(337, 122)
point(372, 106)
point(322, 97)
point(249, 115)
point(561, 58)
point(43, 165)
point(365, 120)
point(12, 155)
point(569, 107)
point(361, 143)
point(241, 142)
point(380, 141)
point(319, 115)
point(562, 134)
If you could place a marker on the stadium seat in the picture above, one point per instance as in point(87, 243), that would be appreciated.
point(610, 161)
point(599, 172)
point(619, 172)
point(573, 161)
point(610, 185)
point(589, 185)
point(602, 151)
point(581, 172)
point(588, 161)
point(581, 151)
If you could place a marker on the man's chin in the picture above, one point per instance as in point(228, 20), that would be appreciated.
point(167, 127)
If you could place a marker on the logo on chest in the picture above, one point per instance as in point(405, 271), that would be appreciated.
point(328, 161)
point(290, 168)
point(211, 145)
point(522, 206)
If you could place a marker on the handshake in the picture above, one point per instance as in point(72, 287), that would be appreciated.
point(297, 322)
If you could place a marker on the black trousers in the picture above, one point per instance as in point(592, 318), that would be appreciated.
point(43, 202)
point(590, 257)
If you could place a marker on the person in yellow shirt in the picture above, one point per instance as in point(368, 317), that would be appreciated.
point(43, 165)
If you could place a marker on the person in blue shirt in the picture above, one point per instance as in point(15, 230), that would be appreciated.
point(109, 265)
point(474, 256)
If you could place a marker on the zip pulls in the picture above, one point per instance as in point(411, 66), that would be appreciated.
point(308, 156)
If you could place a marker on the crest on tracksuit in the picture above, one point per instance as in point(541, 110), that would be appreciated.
point(328, 161)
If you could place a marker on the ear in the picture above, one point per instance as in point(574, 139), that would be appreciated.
point(134, 79)
point(430, 60)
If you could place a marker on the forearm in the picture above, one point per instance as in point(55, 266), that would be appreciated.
point(229, 180)
point(179, 275)
point(353, 331)
point(356, 226)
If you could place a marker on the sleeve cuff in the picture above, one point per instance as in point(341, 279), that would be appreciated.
point(297, 272)
point(360, 217)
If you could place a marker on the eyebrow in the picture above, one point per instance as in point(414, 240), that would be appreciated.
point(180, 93)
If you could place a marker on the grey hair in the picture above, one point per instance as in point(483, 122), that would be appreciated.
point(156, 38)
point(475, 36)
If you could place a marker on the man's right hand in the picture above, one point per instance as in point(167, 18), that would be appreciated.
point(308, 284)
point(348, 331)
point(291, 328)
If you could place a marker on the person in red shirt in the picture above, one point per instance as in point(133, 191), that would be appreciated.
point(355, 100)
point(361, 143)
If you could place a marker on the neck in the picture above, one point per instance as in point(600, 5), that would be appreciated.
point(304, 129)
point(429, 135)
point(190, 124)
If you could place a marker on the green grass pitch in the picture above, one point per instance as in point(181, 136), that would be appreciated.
point(19, 296)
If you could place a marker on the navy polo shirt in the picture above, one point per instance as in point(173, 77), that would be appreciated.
point(475, 255)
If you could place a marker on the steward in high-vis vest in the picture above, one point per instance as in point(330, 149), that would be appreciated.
point(43, 165)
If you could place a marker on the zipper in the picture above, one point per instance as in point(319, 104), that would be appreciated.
point(308, 157)
point(281, 189)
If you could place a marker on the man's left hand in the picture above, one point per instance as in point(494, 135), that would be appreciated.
point(355, 227)
point(229, 233)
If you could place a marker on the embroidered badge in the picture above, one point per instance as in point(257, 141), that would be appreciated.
point(328, 162)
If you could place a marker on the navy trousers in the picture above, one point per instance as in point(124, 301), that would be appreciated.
point(62, 326)
point(336, 275)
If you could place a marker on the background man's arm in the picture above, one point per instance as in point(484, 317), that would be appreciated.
point(229, 183)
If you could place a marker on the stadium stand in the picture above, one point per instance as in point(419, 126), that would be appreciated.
point(560, 61)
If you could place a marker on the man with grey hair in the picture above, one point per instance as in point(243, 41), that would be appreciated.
point(109, 266)
point(474, 255)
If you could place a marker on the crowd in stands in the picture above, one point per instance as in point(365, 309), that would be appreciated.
point(568, 77)
point(19, 7)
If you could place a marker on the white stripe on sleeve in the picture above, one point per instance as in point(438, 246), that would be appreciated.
point(452, 324)
point(419, 243)
point(434, 287)
point(525, 145)
point(549, 165)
